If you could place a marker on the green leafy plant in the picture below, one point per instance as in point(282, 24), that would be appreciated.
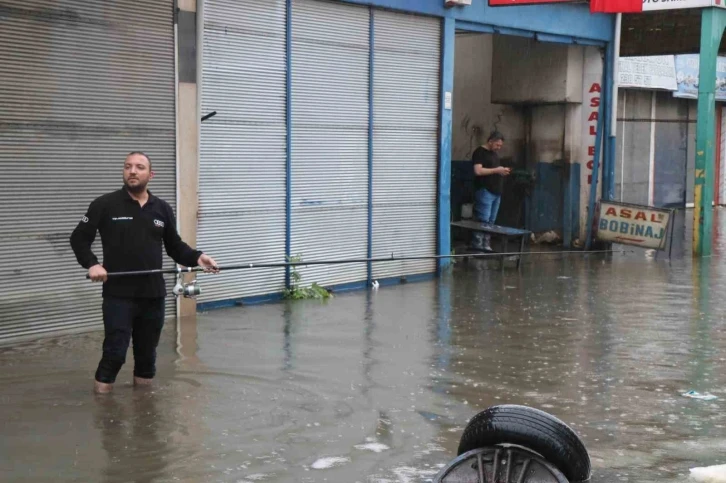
point(297, 291)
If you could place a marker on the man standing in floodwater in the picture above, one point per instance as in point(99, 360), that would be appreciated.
point(133, 223)
point(489, 183)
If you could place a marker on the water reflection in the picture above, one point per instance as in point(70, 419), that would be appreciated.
point(135, 435)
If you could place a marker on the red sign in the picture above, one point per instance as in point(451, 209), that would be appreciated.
point(502, 3)
point(616, 6)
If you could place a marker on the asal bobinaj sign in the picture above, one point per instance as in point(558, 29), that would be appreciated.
point(628, 224)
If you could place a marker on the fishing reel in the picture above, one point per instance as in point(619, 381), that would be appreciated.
point(187, 290)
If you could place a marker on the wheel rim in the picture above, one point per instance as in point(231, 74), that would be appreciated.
point(500, 464)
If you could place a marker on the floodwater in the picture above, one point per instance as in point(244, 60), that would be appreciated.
point(377, 386)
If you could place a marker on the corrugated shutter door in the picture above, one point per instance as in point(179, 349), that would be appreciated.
point(83, 83)
point(330, 60)
point(405, 140)
point(243, 148)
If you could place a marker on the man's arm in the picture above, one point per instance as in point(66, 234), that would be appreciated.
point(480, 170)
point(179, 251)
point(480, 166)
point(84, 234)
point(182, 253)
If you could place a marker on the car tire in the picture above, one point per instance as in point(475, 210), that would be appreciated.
point(531, 428)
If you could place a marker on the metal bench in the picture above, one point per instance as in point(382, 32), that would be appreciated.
point(505, 233)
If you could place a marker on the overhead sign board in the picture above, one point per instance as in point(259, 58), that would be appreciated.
point(655, 72)
point(652, 5)
point(677, 73)
point(687, 66)
point(647, 6)
point(628, 224)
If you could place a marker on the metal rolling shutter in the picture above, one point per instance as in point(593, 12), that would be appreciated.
point(243, 148)
point(83, 83)
point(330, 61)
point(406, 95)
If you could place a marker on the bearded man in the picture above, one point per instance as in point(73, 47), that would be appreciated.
point(133, 224)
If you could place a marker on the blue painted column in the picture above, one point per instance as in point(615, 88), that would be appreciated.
point(448, 37)
point(288, 125)
point(567, 209)
point(371, 55)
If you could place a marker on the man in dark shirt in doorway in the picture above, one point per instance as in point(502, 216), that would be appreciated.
point(133, 224)
point(489, 183)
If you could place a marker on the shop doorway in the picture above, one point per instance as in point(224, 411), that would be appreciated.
point(532, 93)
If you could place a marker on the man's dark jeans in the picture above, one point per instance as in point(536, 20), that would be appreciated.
point(125, 319)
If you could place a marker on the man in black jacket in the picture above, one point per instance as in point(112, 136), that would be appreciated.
point(133, 224)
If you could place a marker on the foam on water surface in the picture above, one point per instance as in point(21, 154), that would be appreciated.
point(709, 474)
point(329, 462)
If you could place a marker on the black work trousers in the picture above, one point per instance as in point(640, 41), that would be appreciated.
point(125, 319)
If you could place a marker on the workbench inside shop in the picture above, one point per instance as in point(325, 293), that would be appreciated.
point(504, 233)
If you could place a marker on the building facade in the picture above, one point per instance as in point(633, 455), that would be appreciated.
point(328, 131)
point(656, 133)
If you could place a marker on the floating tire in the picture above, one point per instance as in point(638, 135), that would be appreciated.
point(530, 428)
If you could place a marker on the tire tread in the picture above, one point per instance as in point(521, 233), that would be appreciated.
point(534, 429)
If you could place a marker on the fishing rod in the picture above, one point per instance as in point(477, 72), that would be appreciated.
point(192, 289)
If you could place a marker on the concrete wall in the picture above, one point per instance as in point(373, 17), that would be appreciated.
point(592, 90)
point(188, 134)
point(547, 134)
point(474, 115)
point(528, 71)
point(546, 150)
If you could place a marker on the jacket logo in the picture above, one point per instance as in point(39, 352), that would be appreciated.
point(159, 223)
point(121, 218)
point(84, 219)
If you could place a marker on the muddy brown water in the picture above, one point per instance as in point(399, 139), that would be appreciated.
point(377, 386)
